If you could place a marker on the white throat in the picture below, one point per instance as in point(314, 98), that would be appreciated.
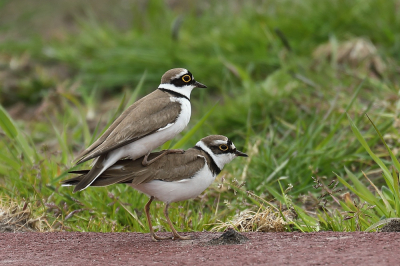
point(185, 90)
point(220, 159)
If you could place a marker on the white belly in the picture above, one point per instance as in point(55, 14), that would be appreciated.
point(178, 190)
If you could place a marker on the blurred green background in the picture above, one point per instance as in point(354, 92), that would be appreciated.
point(281, 74)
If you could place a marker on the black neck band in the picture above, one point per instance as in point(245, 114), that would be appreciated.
point(213, 166)
point(174, 93)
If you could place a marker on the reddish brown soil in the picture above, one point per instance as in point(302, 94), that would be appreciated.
point(325, 248)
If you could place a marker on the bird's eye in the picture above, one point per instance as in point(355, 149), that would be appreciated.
point(186, 78)
point(223, 147)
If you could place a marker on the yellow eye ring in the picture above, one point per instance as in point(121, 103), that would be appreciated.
point(223, 147)
point(186, 78)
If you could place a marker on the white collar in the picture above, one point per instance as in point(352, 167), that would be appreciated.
point(184, 90)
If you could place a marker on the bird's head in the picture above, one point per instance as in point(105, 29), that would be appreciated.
point(180, 80)
point(220, 148)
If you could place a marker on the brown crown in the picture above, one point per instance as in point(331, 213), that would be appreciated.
point(166, 78)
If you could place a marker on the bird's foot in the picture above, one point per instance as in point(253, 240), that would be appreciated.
point(157, 238)
point(178, 236)
point(180, 151)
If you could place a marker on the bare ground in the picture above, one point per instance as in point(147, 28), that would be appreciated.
point(323, 248)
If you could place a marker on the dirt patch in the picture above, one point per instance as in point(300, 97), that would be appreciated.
point(230, 237)
point(324, 248)
point(392, 226)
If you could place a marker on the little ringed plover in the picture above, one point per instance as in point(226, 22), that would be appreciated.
point(173, 177)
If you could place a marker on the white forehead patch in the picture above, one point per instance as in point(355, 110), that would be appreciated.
point(180, 74)
point(218, 142)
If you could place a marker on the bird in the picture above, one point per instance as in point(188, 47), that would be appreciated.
point(172, 178)
point(145, 125)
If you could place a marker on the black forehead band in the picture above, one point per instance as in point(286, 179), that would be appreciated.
point(229, 142)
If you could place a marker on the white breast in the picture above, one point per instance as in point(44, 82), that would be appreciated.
point(178, 190)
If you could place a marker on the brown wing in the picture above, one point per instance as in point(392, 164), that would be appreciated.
point(171, 167)
point(174, 167)
point(144, 117)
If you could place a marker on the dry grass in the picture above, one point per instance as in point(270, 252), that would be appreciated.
point(266, 219)
point(15, 217)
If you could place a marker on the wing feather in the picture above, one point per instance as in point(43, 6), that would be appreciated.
point(139, 120)
point(172, 167)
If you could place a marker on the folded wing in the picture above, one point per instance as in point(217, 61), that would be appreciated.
point(138, 121)
point(172, 167)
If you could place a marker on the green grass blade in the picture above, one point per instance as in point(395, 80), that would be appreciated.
point(137, 89)
point(360, 187)
point(22, 141)
point(166, 145)
point(392, 156)
point(275, 193)
point(280, 167)
point(25, 143)
point(364, 143)
point(7, 124)
point(63, 144)
point(10, 162)
point(361, 196)
point(339, 121)
point(379, 192)
point(396, 191)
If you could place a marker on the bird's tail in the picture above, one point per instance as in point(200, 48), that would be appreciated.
point(74, 181)
point(85, 180)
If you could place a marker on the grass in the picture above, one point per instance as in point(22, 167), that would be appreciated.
point(267, 91)
point(17, 217)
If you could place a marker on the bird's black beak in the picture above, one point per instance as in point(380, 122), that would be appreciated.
point(239, 153)
point(199, 85)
